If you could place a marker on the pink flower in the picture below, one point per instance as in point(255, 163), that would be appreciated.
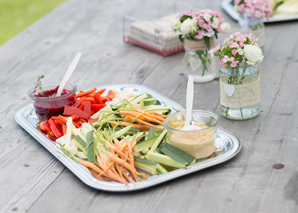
point(222, 63)
point(234, 63)
point(234, 45)
point(215, 49)
point(199, 35)
point(237, 1)
point(232, 59)
point(234, 52)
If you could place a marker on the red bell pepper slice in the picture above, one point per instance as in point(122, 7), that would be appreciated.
point(104, 99)
point(91, 99)
point(87, 107)
point(55, 128)
point(47, 126)
point(70, 110)
point(75, 117)
point(77, 124)
point(97, 107)
point(64, 129)
point(110, 95)
point(101, 91)
point(81, 94)
point(97, 99)
point(77, 103)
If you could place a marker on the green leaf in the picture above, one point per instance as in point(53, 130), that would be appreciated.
point(181, 38)
point(207, 41)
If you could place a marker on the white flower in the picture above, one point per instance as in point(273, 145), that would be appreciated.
point(188, 26)
point(207, 16)
point(240, 51)
point(225, 27)
point(248, 12)
point(253, 54)
point(209, 33)
point(175, 23)
point(215, 23)
point(226, 41)
point(226, 58)
point(258, 14)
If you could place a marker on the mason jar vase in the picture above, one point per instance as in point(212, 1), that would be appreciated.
point(200, 64)
point(240, 92)
point(255, 27)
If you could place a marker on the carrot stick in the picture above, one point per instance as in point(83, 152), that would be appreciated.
point(117, 143)
point(86, 93)
point(130, 155)
point(108, 144)
point(156, 113)
point(95, 174)
point(109, 172)
point(125, 164)
point(91, 166)
point(147, 124)
point(106, 169)
point(137, 126)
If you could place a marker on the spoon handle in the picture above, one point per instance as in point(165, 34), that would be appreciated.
point(68, 73)
point(189, 100)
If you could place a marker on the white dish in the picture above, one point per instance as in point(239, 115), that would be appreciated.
point(227, 146)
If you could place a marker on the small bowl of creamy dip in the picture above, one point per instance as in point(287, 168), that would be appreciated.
point(198, 138)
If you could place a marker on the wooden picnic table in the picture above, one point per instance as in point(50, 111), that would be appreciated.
point(263, 177)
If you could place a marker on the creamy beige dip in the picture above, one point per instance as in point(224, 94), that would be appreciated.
point(199, 144)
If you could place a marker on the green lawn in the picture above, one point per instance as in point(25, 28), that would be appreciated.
point(17, 15)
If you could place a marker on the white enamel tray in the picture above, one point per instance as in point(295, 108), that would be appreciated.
point(227, 146)
point(228, 7)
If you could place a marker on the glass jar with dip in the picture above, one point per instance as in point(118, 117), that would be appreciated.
point(198, 140)
point(46, 104)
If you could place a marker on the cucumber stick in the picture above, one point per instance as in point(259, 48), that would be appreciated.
point(176, 154)
point(144, 161)
point(144, 145)
point(158, 141)
point(164, 160)
point(122, 131)
point(90, 147)
point(151, 133)
point(147, 102)
point(152, 169)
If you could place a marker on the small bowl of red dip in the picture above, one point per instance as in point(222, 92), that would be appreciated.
point(47, 104)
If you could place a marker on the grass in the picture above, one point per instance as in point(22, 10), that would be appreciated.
point(17, 15)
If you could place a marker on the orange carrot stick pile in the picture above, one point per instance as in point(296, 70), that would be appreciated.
point(115, 165)
point(140, 119)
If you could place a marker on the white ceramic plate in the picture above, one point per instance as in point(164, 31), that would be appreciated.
point(227, 146)
point(228, 7)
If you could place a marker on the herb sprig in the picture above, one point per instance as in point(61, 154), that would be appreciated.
point(38, 84)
